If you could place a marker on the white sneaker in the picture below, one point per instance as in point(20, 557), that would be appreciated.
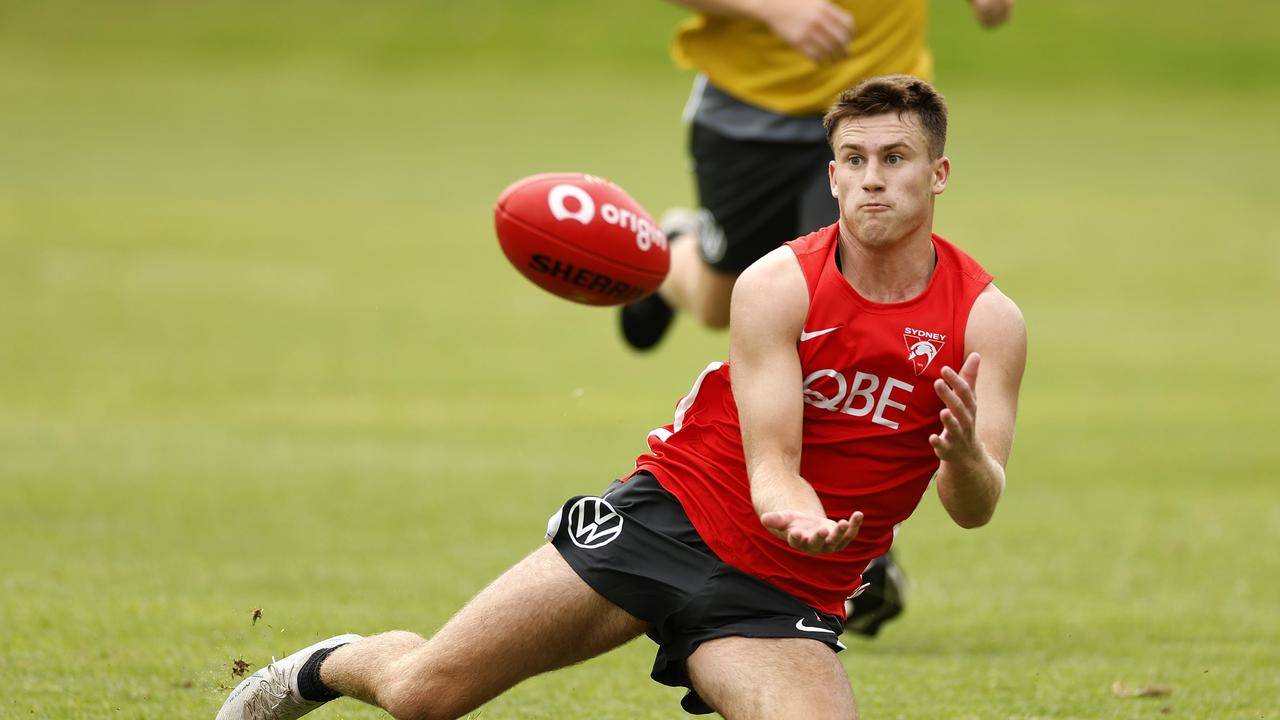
point(272, 692)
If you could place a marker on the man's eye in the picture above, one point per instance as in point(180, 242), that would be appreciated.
point(893, 159)
point(855, 160)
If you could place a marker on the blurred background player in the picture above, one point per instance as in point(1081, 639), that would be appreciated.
point(767, 71)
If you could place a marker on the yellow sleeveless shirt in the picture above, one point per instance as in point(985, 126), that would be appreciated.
point(745, 59)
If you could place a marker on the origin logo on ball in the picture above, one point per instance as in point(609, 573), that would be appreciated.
point(582, 238)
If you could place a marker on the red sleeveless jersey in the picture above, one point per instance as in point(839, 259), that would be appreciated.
point(869, 408)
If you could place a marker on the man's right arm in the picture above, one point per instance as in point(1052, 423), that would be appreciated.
point(816, 28)
point(770, 302)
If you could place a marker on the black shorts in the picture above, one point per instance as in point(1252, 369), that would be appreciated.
point(635, 546)
point(760, 193)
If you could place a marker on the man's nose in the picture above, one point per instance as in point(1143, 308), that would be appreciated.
point(872, 177)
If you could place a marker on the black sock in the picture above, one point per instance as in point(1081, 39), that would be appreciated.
point(645, 321)
point(310, 686)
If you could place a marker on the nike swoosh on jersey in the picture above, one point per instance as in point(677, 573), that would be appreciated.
point(801, 626)
point(811, 335)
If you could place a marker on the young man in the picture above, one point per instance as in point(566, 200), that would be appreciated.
point(751, 519)
point(766, 71)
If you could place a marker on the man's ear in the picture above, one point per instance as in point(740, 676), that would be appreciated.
point(941, 174)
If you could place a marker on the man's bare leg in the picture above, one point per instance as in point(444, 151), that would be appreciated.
point(764, 679)
point(695, 287)
point(538, 616)
point(691, 286)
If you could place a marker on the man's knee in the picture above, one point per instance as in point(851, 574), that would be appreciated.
point(710, 304)
point(713, 317)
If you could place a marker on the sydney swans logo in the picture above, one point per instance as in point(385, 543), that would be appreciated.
point(593, 523)
point(922, 347)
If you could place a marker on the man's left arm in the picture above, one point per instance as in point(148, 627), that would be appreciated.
point(981, 408)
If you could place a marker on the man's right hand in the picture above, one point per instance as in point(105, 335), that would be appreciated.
point(816, 28)
point(814, 534)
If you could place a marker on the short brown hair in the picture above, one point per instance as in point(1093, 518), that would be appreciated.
point(897, 94)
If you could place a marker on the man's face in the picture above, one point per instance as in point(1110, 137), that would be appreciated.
point(883, 178)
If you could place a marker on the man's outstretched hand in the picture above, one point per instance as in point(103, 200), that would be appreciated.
point(814, 534)
point(959, 443)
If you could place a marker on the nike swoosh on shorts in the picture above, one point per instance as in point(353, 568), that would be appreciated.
point(801, 626)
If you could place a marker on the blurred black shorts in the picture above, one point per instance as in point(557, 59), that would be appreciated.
point(760, 193)
point(635, 546)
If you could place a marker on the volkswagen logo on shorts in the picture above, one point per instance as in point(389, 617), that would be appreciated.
point(593, 523)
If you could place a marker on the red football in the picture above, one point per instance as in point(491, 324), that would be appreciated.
point(582, 238)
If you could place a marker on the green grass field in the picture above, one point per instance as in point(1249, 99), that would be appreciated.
point(259, 348)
